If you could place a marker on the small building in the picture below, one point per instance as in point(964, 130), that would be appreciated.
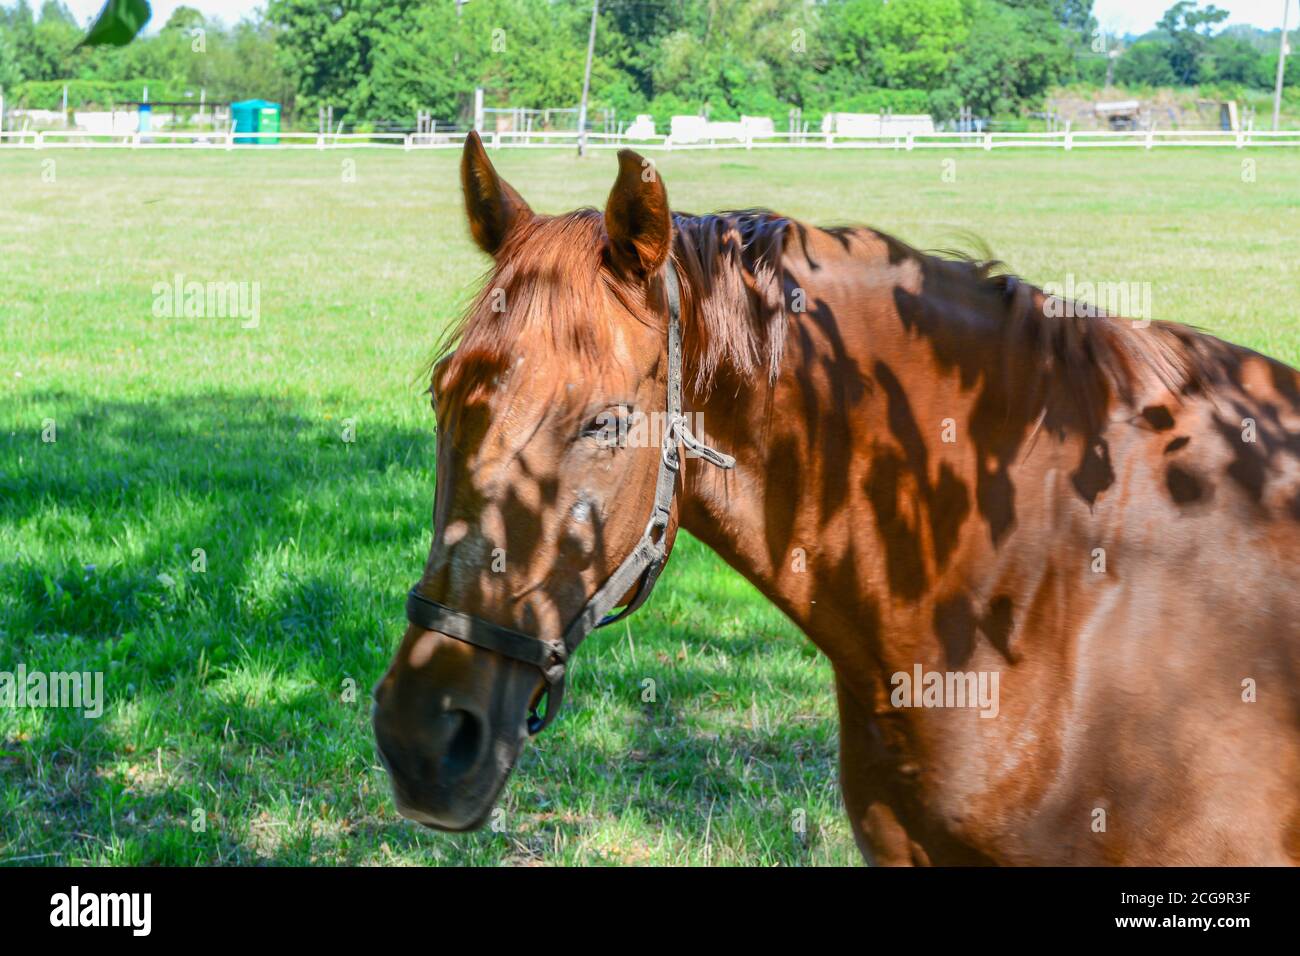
point(256, 116)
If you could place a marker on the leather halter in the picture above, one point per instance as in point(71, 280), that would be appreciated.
point(640, 568)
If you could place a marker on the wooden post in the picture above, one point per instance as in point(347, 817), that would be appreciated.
point(586, 82)
point(1281, 67)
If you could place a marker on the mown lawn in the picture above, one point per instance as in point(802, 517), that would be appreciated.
point(228, 690)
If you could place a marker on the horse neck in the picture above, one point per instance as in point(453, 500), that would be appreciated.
point(848, 496)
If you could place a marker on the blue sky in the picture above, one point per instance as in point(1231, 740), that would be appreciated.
point(228, 10)
point(1138, 16)
point(1119, 16)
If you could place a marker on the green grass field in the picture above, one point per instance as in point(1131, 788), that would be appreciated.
point(226, 690)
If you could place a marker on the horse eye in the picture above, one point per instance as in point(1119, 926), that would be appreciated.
point(609, 428)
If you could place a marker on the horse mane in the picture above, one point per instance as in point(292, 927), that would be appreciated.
point(1080, 356)
point(737, 319)
point(552, 273)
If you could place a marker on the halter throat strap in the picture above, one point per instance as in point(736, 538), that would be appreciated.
point(640, 569)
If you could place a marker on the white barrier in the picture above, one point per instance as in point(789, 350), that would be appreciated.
point(877, 124)
point(1064, 140)
point(697, 129)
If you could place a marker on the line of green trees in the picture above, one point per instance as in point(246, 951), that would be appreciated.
point(1184, 50)
point(376, 60)
point(189, 54)
point(721, 57)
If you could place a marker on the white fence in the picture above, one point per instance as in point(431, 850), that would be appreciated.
point(1065, 140)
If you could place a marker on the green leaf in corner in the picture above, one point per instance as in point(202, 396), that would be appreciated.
point(118, 23)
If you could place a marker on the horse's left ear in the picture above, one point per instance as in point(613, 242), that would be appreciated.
point(493, 207)
point(637, 217)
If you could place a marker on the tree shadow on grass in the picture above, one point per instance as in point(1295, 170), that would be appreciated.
point(229, 562)
point(238, 476)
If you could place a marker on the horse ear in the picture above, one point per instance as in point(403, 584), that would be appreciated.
point(637, 217)
point(493, 207)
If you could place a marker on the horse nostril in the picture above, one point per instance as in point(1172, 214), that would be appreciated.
point(462, 733)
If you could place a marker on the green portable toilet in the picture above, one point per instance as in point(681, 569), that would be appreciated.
point(256, 116)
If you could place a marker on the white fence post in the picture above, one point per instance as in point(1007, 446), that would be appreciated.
point(909, 140)
point(988, 142)
point(40, 139)
point(1151, 138)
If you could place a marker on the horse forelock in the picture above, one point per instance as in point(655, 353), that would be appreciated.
point(549, 296)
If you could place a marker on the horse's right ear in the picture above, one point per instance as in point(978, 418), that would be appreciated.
point(493, 207)
point(637, 217)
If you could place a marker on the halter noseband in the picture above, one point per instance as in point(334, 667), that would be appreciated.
point(640, 568)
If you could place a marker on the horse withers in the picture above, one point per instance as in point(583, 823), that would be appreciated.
point(1051, 555)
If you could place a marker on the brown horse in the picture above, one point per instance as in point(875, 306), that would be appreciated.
point(1052, 557)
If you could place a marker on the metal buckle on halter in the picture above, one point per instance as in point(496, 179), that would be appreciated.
point(556, 663)
point(672, 456)
point(679, 432)
point(554, 675)
point(658, 523)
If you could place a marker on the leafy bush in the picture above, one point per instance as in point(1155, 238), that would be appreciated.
point(1145, 64)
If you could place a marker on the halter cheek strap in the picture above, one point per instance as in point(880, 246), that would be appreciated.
point(640, 569)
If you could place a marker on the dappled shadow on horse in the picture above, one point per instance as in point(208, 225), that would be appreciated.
point(1049, 553)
